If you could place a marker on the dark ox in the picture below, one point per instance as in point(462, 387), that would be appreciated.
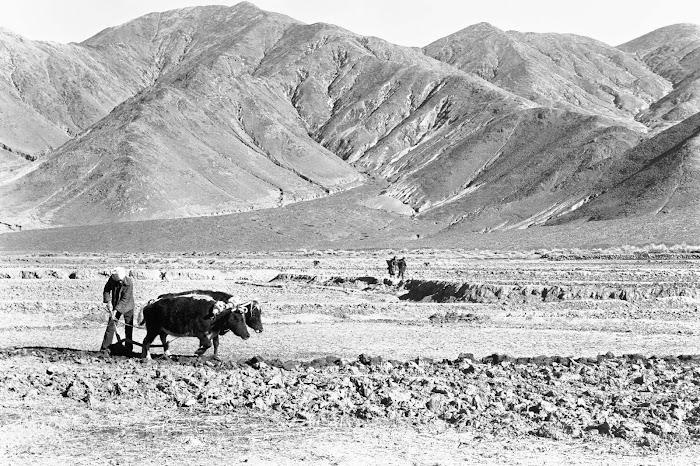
point(191, 316)
point(251, 309)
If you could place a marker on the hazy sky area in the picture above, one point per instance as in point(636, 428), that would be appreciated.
point(404, 22)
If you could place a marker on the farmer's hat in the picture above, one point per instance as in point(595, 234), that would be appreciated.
point(118, 273)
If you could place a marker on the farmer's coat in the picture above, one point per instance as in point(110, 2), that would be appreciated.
point(121, 294)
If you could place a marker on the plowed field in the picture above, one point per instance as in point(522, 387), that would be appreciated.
point(472, 358)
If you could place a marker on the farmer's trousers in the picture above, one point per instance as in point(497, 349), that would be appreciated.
point(111, 327)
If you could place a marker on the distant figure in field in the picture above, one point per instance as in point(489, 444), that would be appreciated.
point(401, 264)
point(118, 295)
point(391, 265)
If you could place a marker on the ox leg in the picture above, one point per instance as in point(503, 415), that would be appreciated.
point(215, 340)
point(204, 344)
point(150, 336)
point(166, 347)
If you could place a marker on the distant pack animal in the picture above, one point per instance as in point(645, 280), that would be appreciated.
point(391, 265)
point(251, 309)
point(401, 264)
point(198, 316)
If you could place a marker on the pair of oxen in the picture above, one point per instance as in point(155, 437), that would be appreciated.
point(203, 314)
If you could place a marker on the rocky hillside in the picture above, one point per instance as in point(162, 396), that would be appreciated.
point(674, 53)
point(658, 176)
point(560, 70)
point(51, 92)
point(213, 110)
point(203, 137)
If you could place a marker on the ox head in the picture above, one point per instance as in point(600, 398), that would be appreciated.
point(236, 323)
point(253, 315)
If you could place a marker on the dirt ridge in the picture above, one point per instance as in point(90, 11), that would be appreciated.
point(443, 291)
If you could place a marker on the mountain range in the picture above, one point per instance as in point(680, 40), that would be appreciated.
point(215, 110)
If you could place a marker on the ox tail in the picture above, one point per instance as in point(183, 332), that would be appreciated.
point(141, 318)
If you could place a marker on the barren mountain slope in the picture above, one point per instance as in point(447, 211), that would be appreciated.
point(235, 124)
point(13, 165)
point(159, 43)
point(371, 102)
point(518, 170)
point(180, 147)
point(438, 134)
point(234, 108)
point(674, 53)
point(562, 70)
point(50, 92)
point(659, 176)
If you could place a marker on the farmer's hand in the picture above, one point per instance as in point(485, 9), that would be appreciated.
point(110, 310)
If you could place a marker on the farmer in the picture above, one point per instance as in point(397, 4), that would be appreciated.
point(118, 295)
point(391, 266)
